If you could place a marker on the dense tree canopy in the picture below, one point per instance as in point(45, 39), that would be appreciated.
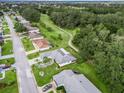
point(31, 14)
point(19, 27)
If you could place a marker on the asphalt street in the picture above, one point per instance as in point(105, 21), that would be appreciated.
point(26, 82)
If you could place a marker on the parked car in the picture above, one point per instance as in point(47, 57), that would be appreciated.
point(47, 87)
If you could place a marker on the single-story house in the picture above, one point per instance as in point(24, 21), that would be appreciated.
point(74, 83)
point(23, 21)
point(61, 56)
point(35, 35)
point(32, 29)
point(41, 44)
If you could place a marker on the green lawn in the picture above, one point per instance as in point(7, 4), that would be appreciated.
point(57, 37)
point(83, 68)
point(9, 84)
point(5, 28)
point(7, 61)
point(1, 75)
point(33, 55)
point(27, 44)
point(7, 48)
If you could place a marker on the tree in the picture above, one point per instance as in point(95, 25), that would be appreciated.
point(19, 27)
point(31, 14)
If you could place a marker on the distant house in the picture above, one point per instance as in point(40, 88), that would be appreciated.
point(74, 83)
point(41, 44)
point(27, 24)
point(35, 35)
point(38, 41)
point(22, 20)
point(32, 29)
point(61, 56)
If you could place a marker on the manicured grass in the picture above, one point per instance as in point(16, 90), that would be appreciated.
point(1, 75)
point(7, 48)
point(51, 92)
point(33, 55)
point(83, 68)
point(7, 61)
point(5, 28)
point(9, 84)
point(27, 44)
point(57, 37)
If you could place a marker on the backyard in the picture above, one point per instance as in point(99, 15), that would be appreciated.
point(7, 47)
point(9, 84)
point(27, 44)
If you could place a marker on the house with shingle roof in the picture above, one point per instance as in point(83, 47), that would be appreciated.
point(74, 83)
point(61, 56)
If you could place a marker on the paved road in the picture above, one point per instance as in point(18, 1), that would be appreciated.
point(6, 56)
point(26, 82)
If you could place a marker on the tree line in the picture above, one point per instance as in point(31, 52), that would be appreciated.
point(100, 40)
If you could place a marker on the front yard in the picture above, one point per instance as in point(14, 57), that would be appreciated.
point(27, 44)
point(7, 61)
point(9, 84)
point(83, 68)
point(6, 30)
point(33, 55)
point(7, 48)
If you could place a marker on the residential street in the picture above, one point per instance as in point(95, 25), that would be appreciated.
point(26, 82)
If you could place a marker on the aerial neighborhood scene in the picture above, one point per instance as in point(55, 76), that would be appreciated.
point(61, 46)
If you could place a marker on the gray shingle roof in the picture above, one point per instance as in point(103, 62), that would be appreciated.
point(59, 56)
point(74, 83)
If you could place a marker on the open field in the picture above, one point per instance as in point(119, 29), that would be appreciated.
point(9, 84)
point(53, 33)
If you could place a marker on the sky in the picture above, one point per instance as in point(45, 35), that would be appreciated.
point(61, 0)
